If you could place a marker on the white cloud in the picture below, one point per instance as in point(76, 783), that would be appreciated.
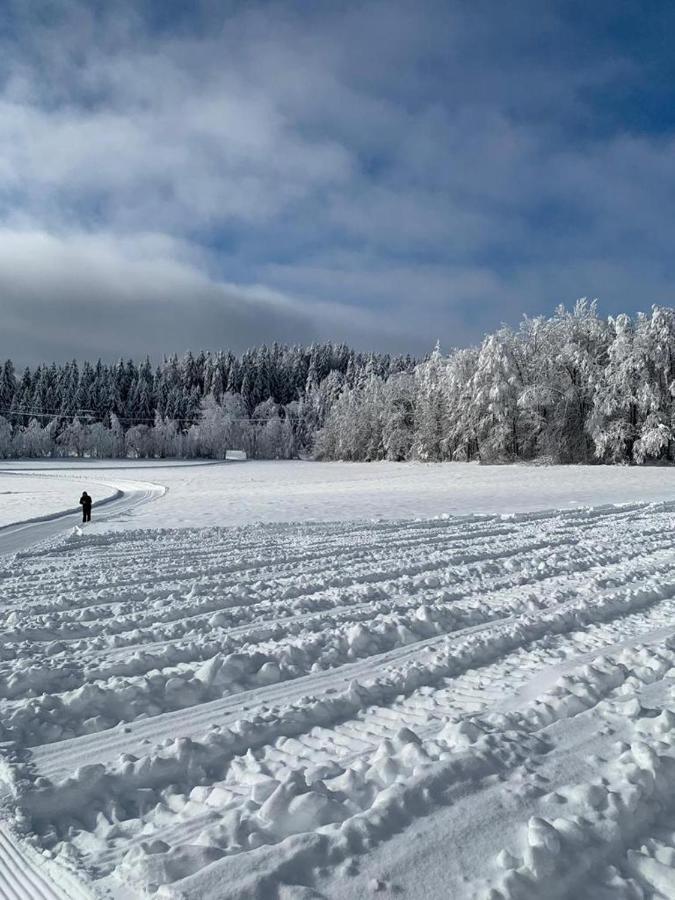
point(382, 172)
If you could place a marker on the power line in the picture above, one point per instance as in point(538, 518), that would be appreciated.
point(128, 420)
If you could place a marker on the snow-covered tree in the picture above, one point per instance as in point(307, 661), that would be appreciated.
point(398, 416)
point(431, 407)
point(614, 423)
point(6, 450)
point(73, 438)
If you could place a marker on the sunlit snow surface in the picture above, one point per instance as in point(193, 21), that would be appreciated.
point(243, 493)
point(469, 706)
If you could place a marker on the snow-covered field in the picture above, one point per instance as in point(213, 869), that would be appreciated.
point(339, 695)
point(243, 493)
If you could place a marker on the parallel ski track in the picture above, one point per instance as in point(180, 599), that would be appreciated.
point(135, 604)
point(22, 879)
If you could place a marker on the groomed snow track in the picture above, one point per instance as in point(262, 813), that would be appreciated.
point(246, 712)
point(25, 875)
point(123, 497)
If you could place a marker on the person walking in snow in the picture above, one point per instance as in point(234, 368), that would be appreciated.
point(85, 502)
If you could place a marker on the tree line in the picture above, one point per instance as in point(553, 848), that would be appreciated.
point(573, 387)
point(268, 401)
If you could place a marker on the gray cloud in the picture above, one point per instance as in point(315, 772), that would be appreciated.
point(91, 296)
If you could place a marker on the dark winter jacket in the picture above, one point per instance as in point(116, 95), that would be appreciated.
point(85, 501)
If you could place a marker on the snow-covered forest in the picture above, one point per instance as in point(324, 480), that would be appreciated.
point(571, 388)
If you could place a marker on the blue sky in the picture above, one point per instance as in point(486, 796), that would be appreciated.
point(185, 174)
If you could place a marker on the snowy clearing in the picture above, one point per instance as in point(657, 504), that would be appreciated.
point(236, 493)
point(475, 706)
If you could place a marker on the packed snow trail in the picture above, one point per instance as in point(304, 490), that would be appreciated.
point(122, 498)
point(283, 710)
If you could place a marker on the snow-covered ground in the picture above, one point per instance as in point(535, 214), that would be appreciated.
point(479, 705)
point(242, 493)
